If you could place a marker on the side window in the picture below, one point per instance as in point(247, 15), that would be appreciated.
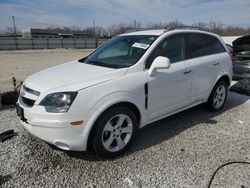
point(216, 45)
point(173, 48)
point(199, 44)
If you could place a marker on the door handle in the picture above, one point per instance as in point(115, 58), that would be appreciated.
point(187, 72)
point(215, 64)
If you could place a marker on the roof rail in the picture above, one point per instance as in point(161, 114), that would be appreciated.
point(186, 27)
point(169, 29)
point(134, 30)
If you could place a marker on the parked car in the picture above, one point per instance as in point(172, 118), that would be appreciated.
point(101, 100)
point(241, 63)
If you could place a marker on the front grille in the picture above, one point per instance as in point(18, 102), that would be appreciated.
point(37, 93)
point(27, 102)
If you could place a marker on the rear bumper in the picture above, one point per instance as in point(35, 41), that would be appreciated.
point(241, 71)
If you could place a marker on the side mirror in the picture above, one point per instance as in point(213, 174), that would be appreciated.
point(159, 63)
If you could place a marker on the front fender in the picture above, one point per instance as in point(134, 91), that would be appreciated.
point(107, 101)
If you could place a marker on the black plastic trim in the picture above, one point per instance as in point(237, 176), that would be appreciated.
point(146, 95)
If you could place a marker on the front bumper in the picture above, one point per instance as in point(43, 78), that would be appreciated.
point(54, 128)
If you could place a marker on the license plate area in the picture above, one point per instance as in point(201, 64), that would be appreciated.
point(20, 113)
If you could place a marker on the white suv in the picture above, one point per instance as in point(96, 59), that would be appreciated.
point(100, 101)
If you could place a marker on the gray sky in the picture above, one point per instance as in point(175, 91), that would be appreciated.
point(82, 13)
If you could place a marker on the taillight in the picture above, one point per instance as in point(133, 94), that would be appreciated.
point(232, 56)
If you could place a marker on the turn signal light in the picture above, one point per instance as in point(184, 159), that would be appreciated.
point(76, 123)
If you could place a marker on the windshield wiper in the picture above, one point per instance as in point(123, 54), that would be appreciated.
point(93, 62)
point(99, 63)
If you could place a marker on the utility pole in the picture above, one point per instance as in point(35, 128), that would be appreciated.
point(14, 23)
point(94, 28)
point(94, 35)
point(135, 25)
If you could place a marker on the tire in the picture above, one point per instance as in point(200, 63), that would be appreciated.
point(218, 96)
point(115, 131)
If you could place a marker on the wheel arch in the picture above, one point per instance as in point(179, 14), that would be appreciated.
point(127, 104)
point(225, 78)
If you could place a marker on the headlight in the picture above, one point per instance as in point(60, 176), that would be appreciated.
point(58, 102)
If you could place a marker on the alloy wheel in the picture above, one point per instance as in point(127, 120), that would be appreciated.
point(219, 96)
point(117, 132)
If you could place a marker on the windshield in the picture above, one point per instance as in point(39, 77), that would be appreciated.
point(121, 51)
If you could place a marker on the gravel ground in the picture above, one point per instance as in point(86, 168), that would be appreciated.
point(180, 151)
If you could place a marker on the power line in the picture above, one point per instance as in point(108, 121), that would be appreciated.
point(34, 21)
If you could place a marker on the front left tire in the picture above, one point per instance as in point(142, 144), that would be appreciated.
point(115, 132)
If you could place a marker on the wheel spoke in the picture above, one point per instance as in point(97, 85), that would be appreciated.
point(127, 129)
point(120, 143)
point(222, 90)
point(121, 119)
point(109, 141)
point(222, 97)
point(108, 127)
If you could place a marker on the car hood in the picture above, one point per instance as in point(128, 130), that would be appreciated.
point(72, 76)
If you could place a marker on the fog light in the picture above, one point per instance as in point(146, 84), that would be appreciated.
point(76, 123)
point(61, 145)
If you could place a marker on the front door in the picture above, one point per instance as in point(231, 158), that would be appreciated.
point(169, 90)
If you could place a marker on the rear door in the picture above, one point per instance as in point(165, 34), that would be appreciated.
point(207, 57)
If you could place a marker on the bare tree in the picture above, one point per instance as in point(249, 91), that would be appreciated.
point(75, 28)
point(100, 31)
point(173, 24)
point(66, 28)
point(118, 29)
point(155, 25)
point(11, 30)
point(220, 29)
point(88, 30)
point(201, 25)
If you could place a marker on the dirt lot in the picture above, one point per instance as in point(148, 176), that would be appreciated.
point(180, 151)
point(22, 63)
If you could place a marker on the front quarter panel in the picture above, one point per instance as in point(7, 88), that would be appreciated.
point(91, 102)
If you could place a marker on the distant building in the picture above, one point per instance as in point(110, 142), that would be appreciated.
point(11, 35)
point(57, 33)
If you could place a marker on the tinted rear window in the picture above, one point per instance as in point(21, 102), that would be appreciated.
point(202, 45)
point(216, 45)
